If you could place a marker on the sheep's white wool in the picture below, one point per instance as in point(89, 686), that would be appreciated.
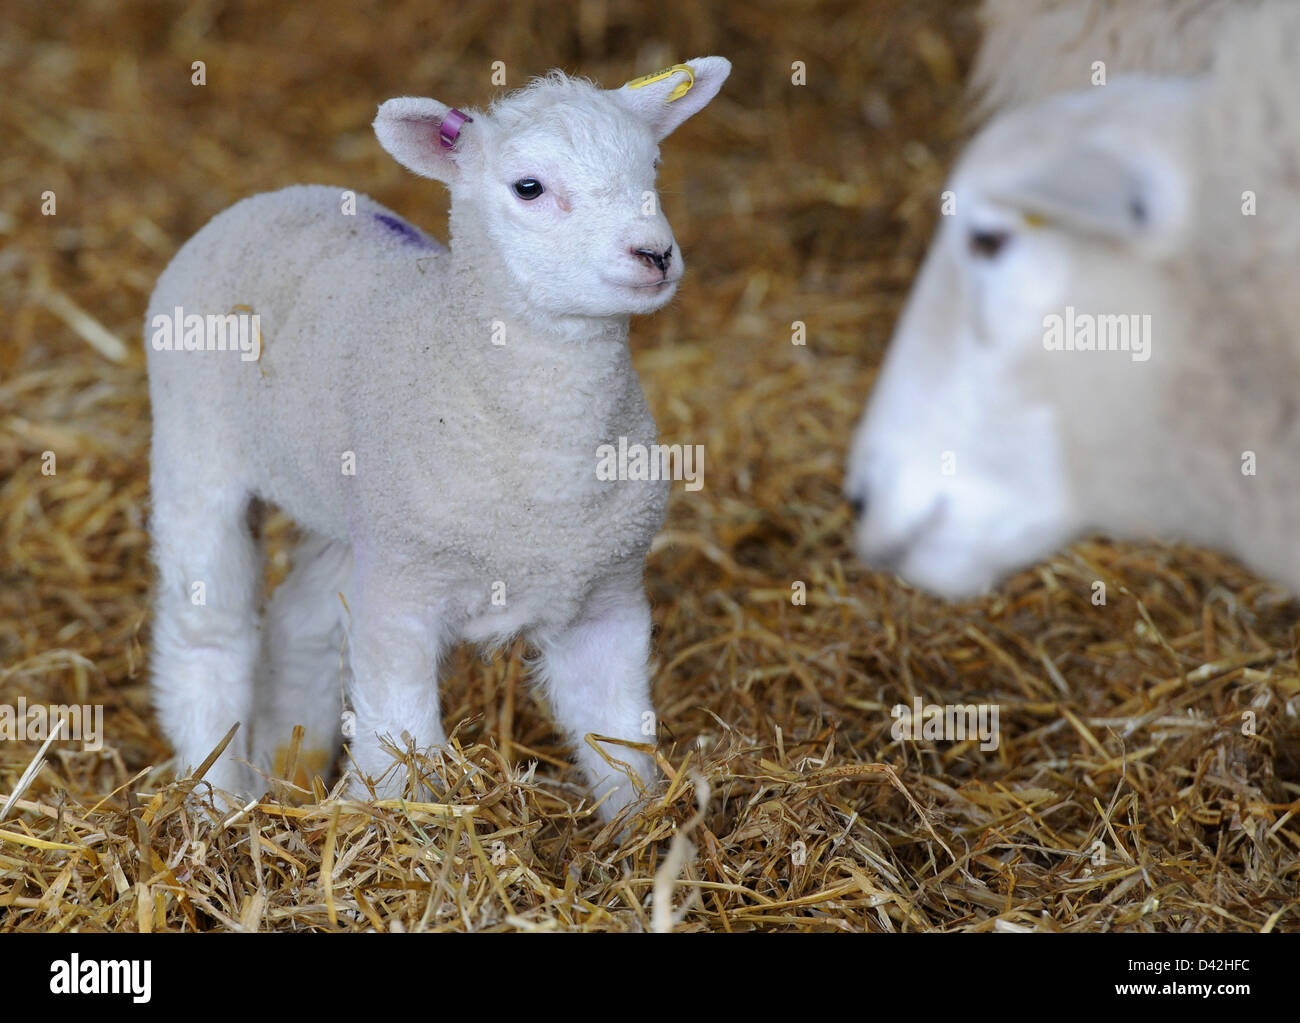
point(431, 418)
point(1156, 222)
point(1032, 48)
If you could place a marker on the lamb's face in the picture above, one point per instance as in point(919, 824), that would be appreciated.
point(560, 178)
point(985, 446)
point(571, 207)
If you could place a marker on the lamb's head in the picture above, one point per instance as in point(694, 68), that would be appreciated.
point(558, 179)
point(984, 447)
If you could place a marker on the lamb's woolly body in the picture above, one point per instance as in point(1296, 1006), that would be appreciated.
point(433, 419)
point(480, 456)
point(1140, 449)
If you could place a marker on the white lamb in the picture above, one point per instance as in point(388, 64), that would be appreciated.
point(431, 419)
point(1105, 334)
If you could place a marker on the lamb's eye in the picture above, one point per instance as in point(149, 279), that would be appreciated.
point(986, 244)
point(528, 188)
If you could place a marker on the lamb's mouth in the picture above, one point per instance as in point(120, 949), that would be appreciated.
point(667, 282)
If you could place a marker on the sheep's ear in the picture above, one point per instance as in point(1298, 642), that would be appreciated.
point(409, 128)
point(1096, 192)
point(667, 98)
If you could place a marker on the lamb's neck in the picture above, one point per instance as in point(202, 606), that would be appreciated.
point(557, 370)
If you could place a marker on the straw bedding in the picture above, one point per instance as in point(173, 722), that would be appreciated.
point(1125, 793)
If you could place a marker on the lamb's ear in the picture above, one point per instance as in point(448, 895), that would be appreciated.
point(667, 98)
point(411, 129)
point(1097, 192)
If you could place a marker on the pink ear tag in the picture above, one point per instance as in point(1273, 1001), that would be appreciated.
point(448, 131)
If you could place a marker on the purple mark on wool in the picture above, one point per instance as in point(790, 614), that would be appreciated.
point(404, 230)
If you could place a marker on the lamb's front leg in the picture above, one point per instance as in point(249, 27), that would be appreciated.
point(596, 675)
point(395, 644)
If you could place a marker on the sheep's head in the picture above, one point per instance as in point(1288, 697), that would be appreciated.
point(984, 447)
point(560, 177)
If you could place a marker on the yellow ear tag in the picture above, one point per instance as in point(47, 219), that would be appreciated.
point(659, 76)
point(1034, 219)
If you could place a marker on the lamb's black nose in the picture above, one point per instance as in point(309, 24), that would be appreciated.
point(858, 502)
point(658, 259)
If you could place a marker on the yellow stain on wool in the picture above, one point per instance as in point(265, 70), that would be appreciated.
point(261, 341)
point(241, 308)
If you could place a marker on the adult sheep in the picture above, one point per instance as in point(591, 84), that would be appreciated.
point(1011, 416)
point(1033, 48)
point(433, 419)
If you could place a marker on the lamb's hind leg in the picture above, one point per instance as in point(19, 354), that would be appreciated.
point(205, 629)
point(301, 676)
point(596, 674)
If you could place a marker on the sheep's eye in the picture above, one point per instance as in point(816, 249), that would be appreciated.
point(987, 244)
point(528, 188)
